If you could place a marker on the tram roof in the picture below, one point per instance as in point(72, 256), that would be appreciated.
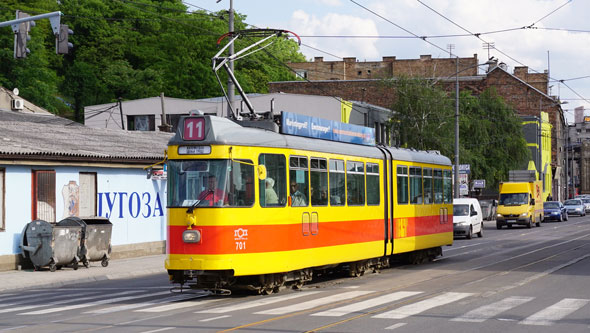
point(224, 131)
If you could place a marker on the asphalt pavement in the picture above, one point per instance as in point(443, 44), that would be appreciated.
point(117, 269)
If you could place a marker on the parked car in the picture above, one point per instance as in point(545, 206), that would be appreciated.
point(586, 202)
point(488, 209)
point(575, 207)
point(555, 210)
point(467, 217)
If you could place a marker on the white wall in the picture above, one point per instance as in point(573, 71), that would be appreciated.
point(134, 204)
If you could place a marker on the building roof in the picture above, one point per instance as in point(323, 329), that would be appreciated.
point(43, 137)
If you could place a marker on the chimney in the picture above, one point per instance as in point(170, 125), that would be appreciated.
point(318, 59)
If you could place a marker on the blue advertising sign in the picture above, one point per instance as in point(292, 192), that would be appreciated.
point(313, 127)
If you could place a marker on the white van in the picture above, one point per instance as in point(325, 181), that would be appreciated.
point(467, 217)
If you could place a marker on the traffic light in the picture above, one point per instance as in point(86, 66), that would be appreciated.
point(62, 46)
point(21, 36)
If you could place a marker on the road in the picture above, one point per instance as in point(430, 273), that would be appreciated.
point(513, 280)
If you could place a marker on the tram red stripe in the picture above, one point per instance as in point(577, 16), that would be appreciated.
point(288, 237)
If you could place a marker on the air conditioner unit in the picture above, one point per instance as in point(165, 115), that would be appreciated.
point(18, 104)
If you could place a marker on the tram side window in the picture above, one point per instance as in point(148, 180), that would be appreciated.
point(355, 183)
point(438, 186)
point(319, 181)
point(448, 186)
point(427, 181)
point(402, 185)
point(298, 181)
point(337, 183)
point(416, 185)
point(273, 189)
point(373, 190)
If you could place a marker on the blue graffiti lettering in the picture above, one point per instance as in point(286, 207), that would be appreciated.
point(130, 204)
point(147, 204)
point(134, 195)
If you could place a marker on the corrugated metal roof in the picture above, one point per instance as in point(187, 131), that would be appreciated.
point(29, 136)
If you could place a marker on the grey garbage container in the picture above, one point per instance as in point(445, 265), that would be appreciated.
point(95, 244)
point(51, 244)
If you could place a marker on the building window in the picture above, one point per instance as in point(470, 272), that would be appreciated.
point(172, 119)
point(2, 191)
point(87, 193)
point(141, 123)
point(301, 73)
point(44, 195)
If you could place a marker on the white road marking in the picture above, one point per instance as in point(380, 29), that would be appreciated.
point(419, 307)
point(215, 318)
point(66, 301)
point(314, 303)
point(394, 326)
point(12, 328)
point(486, 312)
point(160, 330)
point(178, 305)
point(555, 312)
point(367, 304)
point(260, 302)
point(111, 309)
point(87, 305)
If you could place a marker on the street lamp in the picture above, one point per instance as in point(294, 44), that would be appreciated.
point(491, 61)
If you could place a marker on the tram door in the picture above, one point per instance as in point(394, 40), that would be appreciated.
point(308, 189)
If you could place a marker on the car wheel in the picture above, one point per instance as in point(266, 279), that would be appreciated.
point(560, 218)
point(529, 224)
point(469, 233)
point(498, 226)
point(566, 217)
point(480, 233)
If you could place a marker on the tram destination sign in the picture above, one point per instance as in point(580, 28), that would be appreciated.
point(313, 127)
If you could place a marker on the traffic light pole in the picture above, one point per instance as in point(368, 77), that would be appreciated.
point(53, 17)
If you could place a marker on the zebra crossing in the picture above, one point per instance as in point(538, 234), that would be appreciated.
point(397, 305)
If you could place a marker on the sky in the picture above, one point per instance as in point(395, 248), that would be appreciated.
point(545, 35)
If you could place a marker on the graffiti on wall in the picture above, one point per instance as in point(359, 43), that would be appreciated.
point(71, 196)
point(129, 205)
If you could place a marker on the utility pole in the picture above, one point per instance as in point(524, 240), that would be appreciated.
point(121, 112)
point(231, 91)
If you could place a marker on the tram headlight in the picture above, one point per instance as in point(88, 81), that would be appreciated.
point(191, 236)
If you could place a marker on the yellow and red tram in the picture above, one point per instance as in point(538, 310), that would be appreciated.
point(254, 208)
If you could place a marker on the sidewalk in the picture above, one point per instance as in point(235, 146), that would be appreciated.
point(117, 269)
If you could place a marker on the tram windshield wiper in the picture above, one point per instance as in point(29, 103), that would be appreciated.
point(193, 206)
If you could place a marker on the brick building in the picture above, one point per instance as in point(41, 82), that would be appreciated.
point(526, 92)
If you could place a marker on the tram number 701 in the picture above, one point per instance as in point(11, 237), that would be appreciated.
point(240, 246)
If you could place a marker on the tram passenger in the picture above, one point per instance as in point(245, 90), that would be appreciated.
point(270, 196)
point(214, 195)
point(298, 199)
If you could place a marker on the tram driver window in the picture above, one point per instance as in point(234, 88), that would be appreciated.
point(298, 181)
point(273, 189)
point(337, 183)
point(416, 185)
point(438, 186)
point(355, 183)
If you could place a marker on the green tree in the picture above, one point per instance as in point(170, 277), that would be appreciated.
point(129, 49)
point(424, 118)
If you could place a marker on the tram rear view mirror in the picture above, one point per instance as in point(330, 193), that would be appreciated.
point(262, 172)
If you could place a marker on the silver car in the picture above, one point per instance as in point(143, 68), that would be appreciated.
point(575, 207)
point(586, 202)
